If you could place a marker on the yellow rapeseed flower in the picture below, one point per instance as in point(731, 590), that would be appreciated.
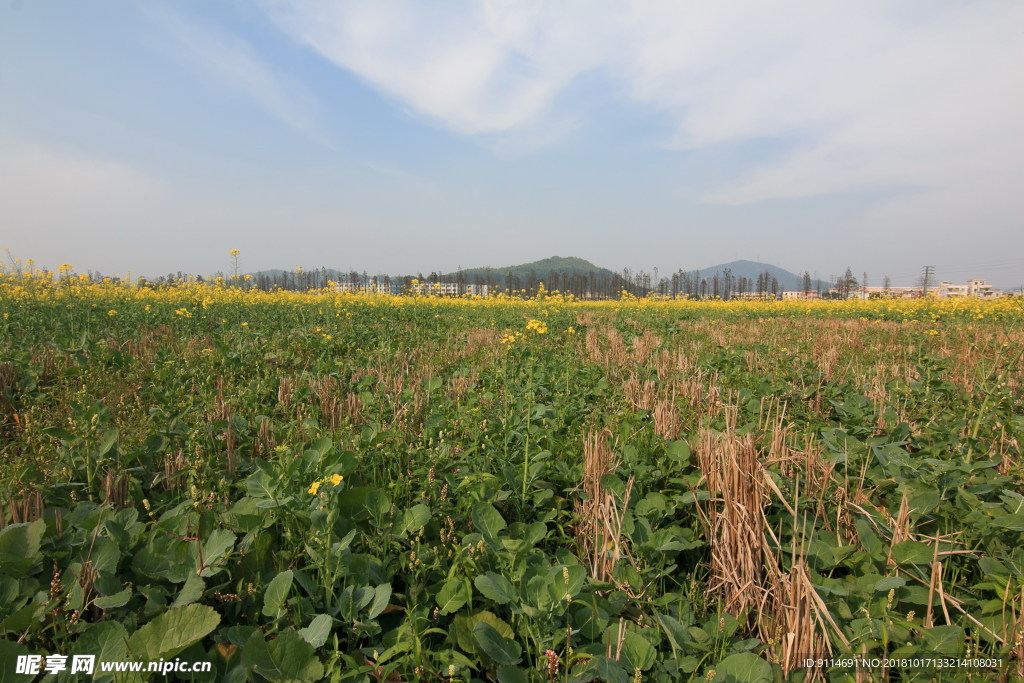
point(314, 487)
point(336, 479)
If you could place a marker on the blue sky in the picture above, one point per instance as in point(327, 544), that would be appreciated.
point(405, 136)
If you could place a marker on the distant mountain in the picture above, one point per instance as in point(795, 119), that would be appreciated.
point(752, 269)
point(564, 265)
point(539, 271)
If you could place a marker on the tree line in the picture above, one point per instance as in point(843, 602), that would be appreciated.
point(593, 284)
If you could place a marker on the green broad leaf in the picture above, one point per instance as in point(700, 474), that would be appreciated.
point(19, 546)
point(108, 641)
point(377, 503)
point(678, 452)
point(164, 557)
point(512, 674)
point(869, 539)
point(496, 646)
point(322, 445)
point(534, 533)
point(21, 618)
point(9, 653)
point(1014, 522)
point(744, 667)
point(916, 595)
point(923, 502)
point(947, 640)
point(59, 433)
point(609, 670)
point(276, 594)
point(566, 580)
point(539, 592)
point(488, 520)
point(338, 548)
point(412, 519)
point(190, 591)
point(495, 587)
point(105, 555)
point(245, 516)
point(913, 552)
point(638, 652)
point(107, 442)
point(994, 569)
point(286, 658)
point(464, 628)
point(270, 503)
point(217, 546)
point(890, 583)
point(173, 631)
point(155, 443)
point(316, 633)
point(398, 648)
point(699, 636)
point(674, 632)
point(381, 596)
point(119, 599)
point(453, 595)
point(353, 599)
point(260, 485)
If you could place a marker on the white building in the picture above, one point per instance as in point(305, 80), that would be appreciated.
point(973, 289)
point(448, 289)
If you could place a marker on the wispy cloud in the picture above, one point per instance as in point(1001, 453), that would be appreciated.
point(234, 64)
point(869, 95)
point(481, 68)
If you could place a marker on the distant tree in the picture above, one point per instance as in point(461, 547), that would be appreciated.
point(846, 284)
point(461, 280)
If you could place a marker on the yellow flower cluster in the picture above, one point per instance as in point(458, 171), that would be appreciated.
point(538, 326)
point(334, 480)
point(187, 297)
point(511, 338)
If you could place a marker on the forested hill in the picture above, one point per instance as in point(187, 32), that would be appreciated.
point(565, 265)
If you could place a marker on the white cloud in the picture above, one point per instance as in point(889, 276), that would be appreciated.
point(234, 64)
point(480, 68)
point(872, 94)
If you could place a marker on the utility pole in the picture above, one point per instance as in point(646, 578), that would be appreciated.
point(926, 278)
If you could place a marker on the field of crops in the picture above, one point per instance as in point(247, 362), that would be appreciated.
point(352, 488)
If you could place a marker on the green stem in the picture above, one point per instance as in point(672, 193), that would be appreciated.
point(526, 453)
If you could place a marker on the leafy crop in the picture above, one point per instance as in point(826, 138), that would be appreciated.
point(353, 488)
